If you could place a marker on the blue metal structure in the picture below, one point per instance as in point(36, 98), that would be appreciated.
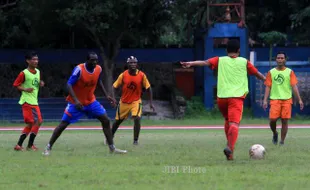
point(220, 30)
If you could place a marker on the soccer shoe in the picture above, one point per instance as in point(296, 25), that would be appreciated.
point(281, 143)
point(118, 151)
point(228, 153)
point(18, 148)
point(275, 139)
point(135, 142)
point(47, 151)
point(33, 148)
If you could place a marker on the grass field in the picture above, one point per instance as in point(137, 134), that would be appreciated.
point(181, 122)
point(79, 160)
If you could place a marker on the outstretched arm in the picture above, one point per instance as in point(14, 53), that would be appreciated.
point(260, 76)
point(194, 63)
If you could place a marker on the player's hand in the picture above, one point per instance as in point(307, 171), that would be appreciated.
point(186, 64)
point(42, 83)
point(78, 105)
point(28, 90)
point(301, 104)
point(152, 107)
point(112, 101)
point(265, 105)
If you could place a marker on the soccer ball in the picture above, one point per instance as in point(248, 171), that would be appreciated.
point(257, 152)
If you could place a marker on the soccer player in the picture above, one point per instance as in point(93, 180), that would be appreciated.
point(81, 100)
point(28, 82)
point(232, 88)
point(279, 84)
point(132, 81)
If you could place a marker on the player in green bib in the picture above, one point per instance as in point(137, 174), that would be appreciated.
point(280, 83)
point(28, 83)
point(232, 88)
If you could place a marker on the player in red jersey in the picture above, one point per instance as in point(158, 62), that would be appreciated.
point(82, 101)
point(232, 87)
point(28, 82)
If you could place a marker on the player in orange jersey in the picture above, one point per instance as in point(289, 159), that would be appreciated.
point(232, 88)
point(82, 101)
point(280, 82)
point(132, 81)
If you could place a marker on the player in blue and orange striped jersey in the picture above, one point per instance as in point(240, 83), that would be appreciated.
point(82, 101)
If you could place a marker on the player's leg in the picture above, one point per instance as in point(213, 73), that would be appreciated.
point(136, 112)
point(121, 114)
point(29, 120)
point(274, 114)
point(57, 132)
point(35, 128)
point(235, 110)
point(223, 107)
point(97, 111)
point(284, 130)
point(286, 113)
point(71, 115)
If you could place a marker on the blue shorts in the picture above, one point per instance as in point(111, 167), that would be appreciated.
point(93, 110)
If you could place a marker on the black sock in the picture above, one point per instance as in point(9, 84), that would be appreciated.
point(136, 129)
point(31, 139)
point(21, 139)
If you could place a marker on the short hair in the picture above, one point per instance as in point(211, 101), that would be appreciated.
point(233, 46)
point(89, 54)
point(281, 52)
point(29, 55)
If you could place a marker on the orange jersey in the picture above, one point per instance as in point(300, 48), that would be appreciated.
point(131, 85)
point(85, 87)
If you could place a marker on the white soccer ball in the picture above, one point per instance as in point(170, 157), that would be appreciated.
point(257, 152)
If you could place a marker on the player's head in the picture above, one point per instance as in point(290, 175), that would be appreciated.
point(281, 58)
point(132, 63)
point(91, 60)
point(32, 59)
point(233, 46)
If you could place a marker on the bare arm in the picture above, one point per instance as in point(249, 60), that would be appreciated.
point(150, 93)
point(266, 96)
point(195, 63)
point(260, 76)
point(71, 92)
point(103, 89)
point(297, 95)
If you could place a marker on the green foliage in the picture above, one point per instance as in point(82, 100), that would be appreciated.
point(196, 109)
point(273, 37)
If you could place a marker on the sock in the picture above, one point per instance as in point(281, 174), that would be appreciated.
point(33, 134)
point(226, 128)
point(114, 128)
point(136, 129)
point(232, 136)
point(112, 147)
point(23, 136)
point(273, 126)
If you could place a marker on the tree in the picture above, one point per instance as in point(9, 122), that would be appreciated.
point(300, 15)
point(272, 38)
point(107, 22)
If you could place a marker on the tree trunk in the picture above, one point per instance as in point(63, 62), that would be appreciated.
point(108, 68)
point(270, 55)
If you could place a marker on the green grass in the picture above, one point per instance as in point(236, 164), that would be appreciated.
point(80, 161)
point(181, 122)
